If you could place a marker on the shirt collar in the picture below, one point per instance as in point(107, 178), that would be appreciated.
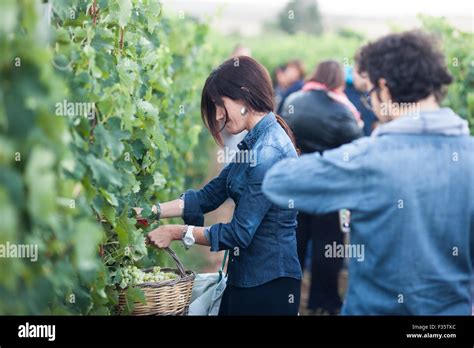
point(251, 138)
point(442, 121)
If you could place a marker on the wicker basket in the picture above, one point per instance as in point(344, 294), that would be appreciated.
point(168, 297)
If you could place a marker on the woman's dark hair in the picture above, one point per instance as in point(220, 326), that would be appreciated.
point(330, 73)
point(239, 78)
point(411, 63)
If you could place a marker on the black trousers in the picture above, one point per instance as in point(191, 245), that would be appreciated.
point(280, 296)
point(321, 230)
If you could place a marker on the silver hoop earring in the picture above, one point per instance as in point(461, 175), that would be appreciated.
point(243, 111)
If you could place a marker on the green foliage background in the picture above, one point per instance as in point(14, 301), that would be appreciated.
point(459, 49)
point(72, 190)
point(67, 183)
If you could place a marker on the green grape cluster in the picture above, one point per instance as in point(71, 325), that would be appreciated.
point(132, 275)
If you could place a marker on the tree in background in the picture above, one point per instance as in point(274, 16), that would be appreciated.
point(301, 15)
point(458, 46)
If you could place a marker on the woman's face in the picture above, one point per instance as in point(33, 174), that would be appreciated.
point(236, 122)
point(292, 74)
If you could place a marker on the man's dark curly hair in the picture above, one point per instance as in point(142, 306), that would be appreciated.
point(411, 62)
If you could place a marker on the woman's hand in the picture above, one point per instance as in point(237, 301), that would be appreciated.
point(166, 210)
point(139, 210)
point(162, 236)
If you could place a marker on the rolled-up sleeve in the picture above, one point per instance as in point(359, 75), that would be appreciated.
point(319, 184)
point(251, 210)
point(210, 197)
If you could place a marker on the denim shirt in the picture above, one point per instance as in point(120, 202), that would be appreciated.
point(410, 189)
point(261, 236)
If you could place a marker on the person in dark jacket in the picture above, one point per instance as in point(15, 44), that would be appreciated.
point(321, 118)
point(356, 85)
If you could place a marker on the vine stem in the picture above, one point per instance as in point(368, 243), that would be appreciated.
point(94, 12)
point(94, 124)
point(121, 39)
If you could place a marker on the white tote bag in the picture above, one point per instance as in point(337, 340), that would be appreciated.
point(207, 292)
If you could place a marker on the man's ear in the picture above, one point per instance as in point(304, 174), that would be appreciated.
point(383, 93)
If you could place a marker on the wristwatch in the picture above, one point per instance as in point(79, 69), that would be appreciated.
point(188, 237)
point(156, 211)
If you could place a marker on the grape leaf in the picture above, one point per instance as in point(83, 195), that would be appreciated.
point(103, 172)
point(86, 238)
point(125, 12)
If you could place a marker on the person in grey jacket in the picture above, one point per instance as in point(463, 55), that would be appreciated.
point(410, 188)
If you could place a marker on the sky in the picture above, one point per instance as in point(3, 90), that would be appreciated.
point(399, 7)
point(371, 17)
point(360, 8)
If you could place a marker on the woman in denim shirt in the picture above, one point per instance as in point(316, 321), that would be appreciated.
point(264, 271)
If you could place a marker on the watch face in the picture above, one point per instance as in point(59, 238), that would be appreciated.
point(188, 240)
